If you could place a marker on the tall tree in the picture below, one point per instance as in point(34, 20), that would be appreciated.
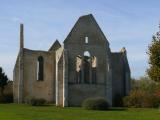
point(3, 80)
point(154, 58)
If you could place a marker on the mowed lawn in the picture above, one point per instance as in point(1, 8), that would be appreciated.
point(26, 112)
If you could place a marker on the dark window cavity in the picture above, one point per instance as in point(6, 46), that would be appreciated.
point(40, 68)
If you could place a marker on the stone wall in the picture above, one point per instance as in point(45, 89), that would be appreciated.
point(16, 80)
point(77, 93)
point(32, 87)
point(120, 76)
point(97, 46)
point(61, 67)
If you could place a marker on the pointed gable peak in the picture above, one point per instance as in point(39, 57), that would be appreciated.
point(86, 16)
point(86, 24)
point(55, 46)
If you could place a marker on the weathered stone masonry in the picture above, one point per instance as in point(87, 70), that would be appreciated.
point(83, 67)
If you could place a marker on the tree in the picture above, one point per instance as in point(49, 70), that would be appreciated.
point(3, 80)
point(154, 58)
point(145, 93)
point(144, 83)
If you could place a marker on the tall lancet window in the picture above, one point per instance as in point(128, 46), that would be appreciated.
point(86, 67)
point(78, 69)
point(94, 67)
point(40, 68)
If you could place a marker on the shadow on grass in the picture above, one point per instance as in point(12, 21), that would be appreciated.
point(109, 109)
point(116, 109)
point(46, 105)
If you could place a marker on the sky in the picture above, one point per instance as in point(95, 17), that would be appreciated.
point(125, 23)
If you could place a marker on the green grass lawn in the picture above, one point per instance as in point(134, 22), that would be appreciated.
point(26, 112)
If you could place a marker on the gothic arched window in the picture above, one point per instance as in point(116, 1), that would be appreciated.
point(40, 68)
point(86, 67)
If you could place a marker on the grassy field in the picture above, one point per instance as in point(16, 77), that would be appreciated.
point(26, 112)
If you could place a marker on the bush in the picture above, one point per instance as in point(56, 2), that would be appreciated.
point(37, 101)
point(8, 98)
point(135, 99)
point(145, 93)
point(2, 99)
point(141, 99)
point(157, 98)
point(95, 104)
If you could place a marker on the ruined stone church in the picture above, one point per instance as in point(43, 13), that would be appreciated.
point(83, 67)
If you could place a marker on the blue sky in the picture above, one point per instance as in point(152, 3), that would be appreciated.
point(129, 23)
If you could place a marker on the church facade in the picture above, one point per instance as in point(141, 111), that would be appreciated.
point(83, 67)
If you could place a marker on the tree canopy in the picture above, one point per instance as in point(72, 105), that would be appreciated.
point(154, 59)
point(3, 80)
